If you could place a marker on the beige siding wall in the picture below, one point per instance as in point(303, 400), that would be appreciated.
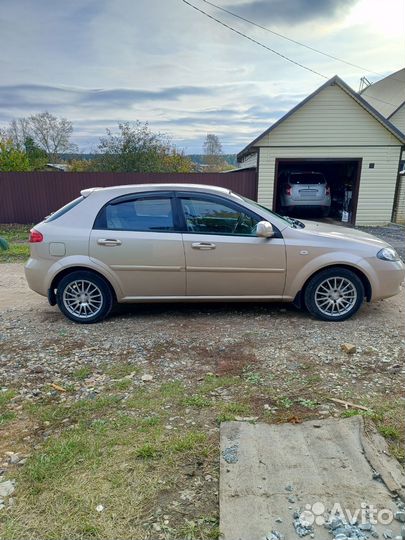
point(377, 186)
point(333, 125)
point(249, 161)
point(398, 119)
point(330, 118)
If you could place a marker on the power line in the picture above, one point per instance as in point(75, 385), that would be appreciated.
point(292, 40)
point(254, 40)
point(274, 51)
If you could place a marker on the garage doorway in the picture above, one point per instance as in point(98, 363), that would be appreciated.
point(341, 178)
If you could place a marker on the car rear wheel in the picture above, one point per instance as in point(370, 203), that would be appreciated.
point(84, 297)
point(334, 294)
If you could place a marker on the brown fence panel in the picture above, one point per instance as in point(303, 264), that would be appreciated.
point(29, 197)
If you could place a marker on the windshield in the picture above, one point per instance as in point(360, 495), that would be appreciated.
point(290, 221)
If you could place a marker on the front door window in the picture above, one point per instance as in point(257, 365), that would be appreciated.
point(212, 217)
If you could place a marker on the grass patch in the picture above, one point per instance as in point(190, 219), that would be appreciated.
point(7, 417)
point(82, 410)
point(82, 373)
point(17, 237)
point(390, 432)
point(6, 396)
point(189, 442)
point(61, 455)
point(147, 451)
point(173, 389)
point(121, 370)
point(212, 382)
point(123, 384)
point(197, 401)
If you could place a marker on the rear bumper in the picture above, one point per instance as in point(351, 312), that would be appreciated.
point(307, 204)
point(37, 275)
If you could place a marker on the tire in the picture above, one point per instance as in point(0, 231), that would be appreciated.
point(78, 286)
point(334, 294)
point(325, 212)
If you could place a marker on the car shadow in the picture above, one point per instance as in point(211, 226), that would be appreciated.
point(194, 309)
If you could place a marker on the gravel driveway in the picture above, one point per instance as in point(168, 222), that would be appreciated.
point(270, 362)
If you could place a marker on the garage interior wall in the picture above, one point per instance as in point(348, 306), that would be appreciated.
point(399, 212)
point(377, 185)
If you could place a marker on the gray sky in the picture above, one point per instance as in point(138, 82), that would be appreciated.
point(98, 62)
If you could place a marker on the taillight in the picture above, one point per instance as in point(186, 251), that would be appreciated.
point(288, 190)
point(35, 236)
point(327, 190)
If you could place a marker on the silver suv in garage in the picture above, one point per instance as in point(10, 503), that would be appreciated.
point(304, 190)
point(184, 242)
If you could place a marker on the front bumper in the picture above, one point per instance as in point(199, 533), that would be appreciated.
point(390, 277)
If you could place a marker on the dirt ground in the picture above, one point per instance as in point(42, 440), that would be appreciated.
point(125, 414)
point(14, 291)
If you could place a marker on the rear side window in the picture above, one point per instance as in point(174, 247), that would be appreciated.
point(307, 178)
point(153, 214)
point(64, 209)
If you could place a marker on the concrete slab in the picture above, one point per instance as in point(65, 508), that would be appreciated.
point(268, 472)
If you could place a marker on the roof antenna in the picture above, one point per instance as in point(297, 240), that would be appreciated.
point(364, 83)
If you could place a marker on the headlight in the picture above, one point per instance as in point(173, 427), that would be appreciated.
point(388, 254)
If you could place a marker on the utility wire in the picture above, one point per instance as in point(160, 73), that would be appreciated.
point(274, 51)
point(254, 40)
point(293, 40)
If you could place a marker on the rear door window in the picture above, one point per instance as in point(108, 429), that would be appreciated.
point(140, 214)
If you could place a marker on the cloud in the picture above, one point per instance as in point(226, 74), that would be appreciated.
point(293, 11)
point(185, 112)
point(36, 97)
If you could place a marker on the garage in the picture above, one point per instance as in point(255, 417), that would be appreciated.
point(324, 188)
point(333, 144)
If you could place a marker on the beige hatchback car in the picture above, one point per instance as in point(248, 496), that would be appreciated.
point(170, 243)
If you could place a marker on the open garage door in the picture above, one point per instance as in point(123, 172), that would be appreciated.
point(313, 188)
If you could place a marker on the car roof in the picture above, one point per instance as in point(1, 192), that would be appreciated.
point(128, 188)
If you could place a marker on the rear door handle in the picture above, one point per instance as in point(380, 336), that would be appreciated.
point(203, 245)
point(109, 242)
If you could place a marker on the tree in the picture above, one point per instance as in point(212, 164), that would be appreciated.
point(44, 131)
point(11, 158)
point(80, 165)
point(213, 158)
point(135, 148)
point(51, 133)
point(19, 131)
point(37, 157)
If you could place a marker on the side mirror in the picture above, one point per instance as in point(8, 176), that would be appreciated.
point(264, 229)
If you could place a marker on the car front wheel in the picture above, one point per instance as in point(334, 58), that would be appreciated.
point(84, 297)
point(334, 294)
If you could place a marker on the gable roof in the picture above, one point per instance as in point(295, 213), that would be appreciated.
point(388, 94)
point(250, 148)
point(396, 110)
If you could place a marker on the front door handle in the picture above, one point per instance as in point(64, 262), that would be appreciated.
point(109, 242)
point(203, 245)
